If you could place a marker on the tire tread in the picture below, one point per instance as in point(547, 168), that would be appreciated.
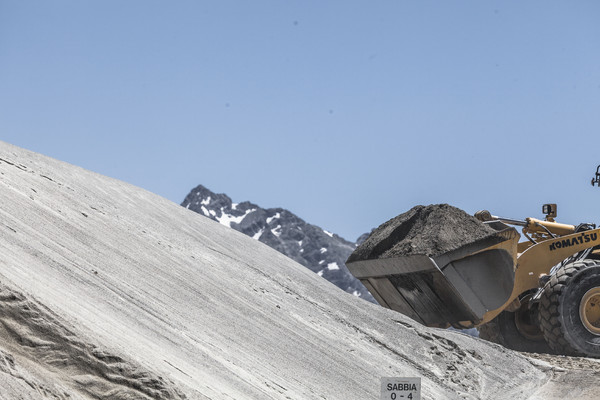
point(549, 312)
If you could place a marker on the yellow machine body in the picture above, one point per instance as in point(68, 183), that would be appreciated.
point(533, 261)
point(470, 286)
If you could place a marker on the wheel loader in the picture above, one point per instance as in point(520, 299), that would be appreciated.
point(541, 294)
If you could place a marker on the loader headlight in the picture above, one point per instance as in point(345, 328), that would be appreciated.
point(549, 210)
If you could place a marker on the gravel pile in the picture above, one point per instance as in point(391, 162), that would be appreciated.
point(430, 230)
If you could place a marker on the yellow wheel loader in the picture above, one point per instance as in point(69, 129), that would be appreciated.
point(538, 295)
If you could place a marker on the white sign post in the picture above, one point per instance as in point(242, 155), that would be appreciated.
point(400, 388)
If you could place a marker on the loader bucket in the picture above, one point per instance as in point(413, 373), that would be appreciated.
point(454, 287)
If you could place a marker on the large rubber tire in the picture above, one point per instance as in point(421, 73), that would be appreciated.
point(560, 303)
point(505, 331)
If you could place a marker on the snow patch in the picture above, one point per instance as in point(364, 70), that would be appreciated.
point(321, 262)
point(333, 266)
point(276, 216)
point(356, 293)
point(234, 206)
point(258, 234)
point(276, 231)
point(323, 250)
point(205, 211)
point(300, 243)
point(227, 219)
point(320, 273)
point(328, 233)
point(206, 201)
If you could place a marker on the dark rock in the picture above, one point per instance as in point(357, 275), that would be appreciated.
point(430, 230)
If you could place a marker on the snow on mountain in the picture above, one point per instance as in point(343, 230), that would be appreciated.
point(320, 251)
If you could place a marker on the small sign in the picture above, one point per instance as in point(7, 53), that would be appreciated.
point(400, 388)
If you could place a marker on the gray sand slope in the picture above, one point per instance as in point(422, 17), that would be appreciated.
point(108, 291)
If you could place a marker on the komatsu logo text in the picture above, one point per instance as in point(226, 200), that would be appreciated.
point(581, 239)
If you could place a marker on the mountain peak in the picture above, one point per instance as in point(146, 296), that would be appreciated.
point(203, 196)
point(319, 250)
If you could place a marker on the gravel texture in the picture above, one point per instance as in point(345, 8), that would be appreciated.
point(431, 230)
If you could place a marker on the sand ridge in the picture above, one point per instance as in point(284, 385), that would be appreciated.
point(107, 275)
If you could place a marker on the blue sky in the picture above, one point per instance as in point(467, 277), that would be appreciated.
point(344, 112)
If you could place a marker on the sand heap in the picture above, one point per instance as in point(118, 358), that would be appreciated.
point(110, 292)
point(430, 230)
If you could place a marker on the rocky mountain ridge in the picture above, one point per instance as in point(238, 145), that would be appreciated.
point(322, 252)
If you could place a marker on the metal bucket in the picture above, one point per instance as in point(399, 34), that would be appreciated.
point(456, 288)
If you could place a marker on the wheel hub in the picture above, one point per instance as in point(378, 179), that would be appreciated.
point(526, 323)
point(589, 310)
